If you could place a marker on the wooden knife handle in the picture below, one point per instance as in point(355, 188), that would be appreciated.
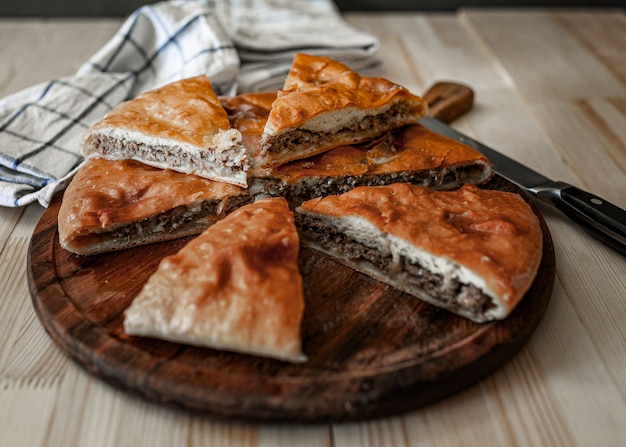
point(448, 100)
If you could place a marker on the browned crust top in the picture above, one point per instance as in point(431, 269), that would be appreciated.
point(187, 111)
point(413, 148)
point(104, 194)
point(239, 281)
point(317, 84)
point(493, 233)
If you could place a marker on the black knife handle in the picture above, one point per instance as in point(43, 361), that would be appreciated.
point(599, 217)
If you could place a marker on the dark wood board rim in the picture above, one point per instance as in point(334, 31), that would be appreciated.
point(373, 362)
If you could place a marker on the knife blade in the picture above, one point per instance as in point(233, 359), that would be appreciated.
point(599, 217)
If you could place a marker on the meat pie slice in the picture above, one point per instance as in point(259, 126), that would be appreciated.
point(181, 126)
point(235, 287)
point(324, 104)
point(113, 205)
point(474, 252)
point(412, 154)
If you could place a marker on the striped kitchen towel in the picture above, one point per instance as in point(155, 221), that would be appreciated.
point(240, 45)
point(267, 35)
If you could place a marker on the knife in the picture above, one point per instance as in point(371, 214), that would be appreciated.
point(599, 217)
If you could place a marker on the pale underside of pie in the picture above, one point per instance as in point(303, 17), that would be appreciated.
point(113, 205)
point(324, 104)
point(474, 252)
point(235, 287)
point(181, 126)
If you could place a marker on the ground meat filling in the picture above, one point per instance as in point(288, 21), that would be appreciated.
point(298, 192)
point(288, 141)
point(196, 217)
point(450, 294)
point(174, 155)
point(163, 223)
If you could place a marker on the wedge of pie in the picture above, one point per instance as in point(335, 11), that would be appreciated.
point(411, 154)
point(474, 252)
point(113, 205)
point(235, 287)
point(181, 126)
point(324, 104)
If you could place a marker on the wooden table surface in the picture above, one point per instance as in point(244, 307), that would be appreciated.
point(550, 91)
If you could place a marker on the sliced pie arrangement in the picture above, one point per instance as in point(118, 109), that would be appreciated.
point(333, 161)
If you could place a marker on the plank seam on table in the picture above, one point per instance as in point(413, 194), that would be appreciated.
point(590, 335)
point(545, 401)
point(15, 215)
point(407, 56)
point(619, 104)
point(509, 81)
point(12, 278)
point(474, 34)
point(558, 17)
point(494, 387)
point(596, 120)
point(536, 110)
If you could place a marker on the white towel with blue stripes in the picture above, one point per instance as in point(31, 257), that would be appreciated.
point(242, 46)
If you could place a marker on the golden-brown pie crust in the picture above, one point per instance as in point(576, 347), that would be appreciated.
point(494, 234)
point(107, 194)
point(235, 287)
point(180, 126)
point(412, 148)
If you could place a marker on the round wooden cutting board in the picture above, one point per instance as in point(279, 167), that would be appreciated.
point(372, 350)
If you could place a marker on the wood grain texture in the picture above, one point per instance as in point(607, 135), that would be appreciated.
point(565, 387)
point(579, 102)
point(372, 350)
point(575, 94)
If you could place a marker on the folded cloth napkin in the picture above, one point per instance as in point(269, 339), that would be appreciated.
point(241, 45)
